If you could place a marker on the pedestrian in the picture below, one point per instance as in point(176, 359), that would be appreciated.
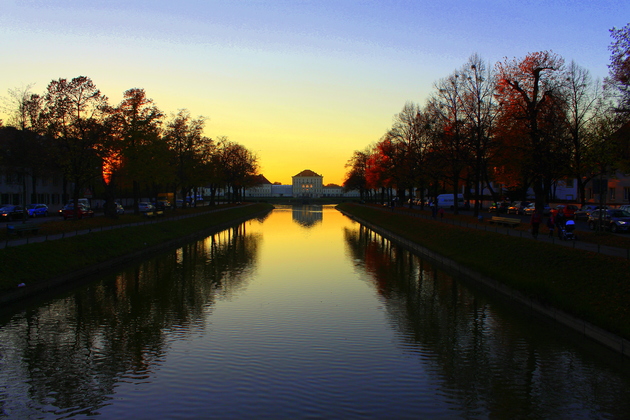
point(433, 205)
point(551, 225)
point(535, 222)
point(559, 221)
point(441, 211)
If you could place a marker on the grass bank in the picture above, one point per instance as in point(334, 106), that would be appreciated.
point(593, 287)
point(39, 262)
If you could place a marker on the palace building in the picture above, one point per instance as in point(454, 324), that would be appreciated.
point(306, 184)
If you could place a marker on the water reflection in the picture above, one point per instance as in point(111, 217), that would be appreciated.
point(325, 321)
point(66, 358)
point(307, 215)
point(491, 361)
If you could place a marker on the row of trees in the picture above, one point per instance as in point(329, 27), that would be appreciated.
point(73, 130)
point(523, 123)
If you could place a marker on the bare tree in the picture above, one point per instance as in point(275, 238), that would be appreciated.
point(480, 107)
point(450, 141)
point(584, 99)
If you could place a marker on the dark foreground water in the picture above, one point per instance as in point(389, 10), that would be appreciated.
point(302, 315)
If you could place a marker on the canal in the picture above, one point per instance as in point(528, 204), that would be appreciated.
point(300, 314)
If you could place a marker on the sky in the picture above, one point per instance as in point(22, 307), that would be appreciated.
point(301, 83)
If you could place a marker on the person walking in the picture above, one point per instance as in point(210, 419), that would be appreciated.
point(559, 221)
point(551, 225)
point(535, 222)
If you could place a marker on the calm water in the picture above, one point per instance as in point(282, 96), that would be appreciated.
point(301, 315)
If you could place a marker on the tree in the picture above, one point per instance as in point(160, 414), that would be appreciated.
point(480, 108)
point(619, 67)
point(238, 165)
point(355, 177)
point(25, 110)
point(184, 134)
point(410, 141)
point(603, 153)
point(73, 112)
point(584, 100)
point(379, 171)
point(137, 120)
point(450, 138)
point(16, 105)
point(210, 169)
point(529, 93)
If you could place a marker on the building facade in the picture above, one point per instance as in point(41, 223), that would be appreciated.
point(262, 188)
point(308, 184)
point(44, 190)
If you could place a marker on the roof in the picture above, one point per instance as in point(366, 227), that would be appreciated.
point(260, 180)
point(307, 172)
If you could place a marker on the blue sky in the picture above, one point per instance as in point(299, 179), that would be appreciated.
point(300, 83)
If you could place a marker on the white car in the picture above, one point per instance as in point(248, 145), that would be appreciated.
point(144, 207)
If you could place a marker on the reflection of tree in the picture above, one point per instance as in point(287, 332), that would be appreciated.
point(307, 216)
point(476, 349)
point(73, 351)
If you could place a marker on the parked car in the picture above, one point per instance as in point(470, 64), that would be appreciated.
point(625, 207)
point(144, 207)
point(162, 205)
point(615, 220)
point(529, 210)
point(568, 210)
point(586, 211)
point(518, 207)
point(82, 211)
point(82, 202)
point(37, 210)
point(501, 207)
point(10, 212)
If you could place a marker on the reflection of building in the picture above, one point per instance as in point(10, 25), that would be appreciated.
point(307, 216)
point(307, 184)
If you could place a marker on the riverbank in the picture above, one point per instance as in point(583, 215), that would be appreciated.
point(588, 286)
point(32, 269)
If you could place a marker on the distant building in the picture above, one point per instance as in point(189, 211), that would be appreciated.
point(333, 190)
point(308, 184)
point(282, 191)
point(262, 188)
point(49, 189)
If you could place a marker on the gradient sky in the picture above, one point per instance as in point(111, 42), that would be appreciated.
point(301, 83)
